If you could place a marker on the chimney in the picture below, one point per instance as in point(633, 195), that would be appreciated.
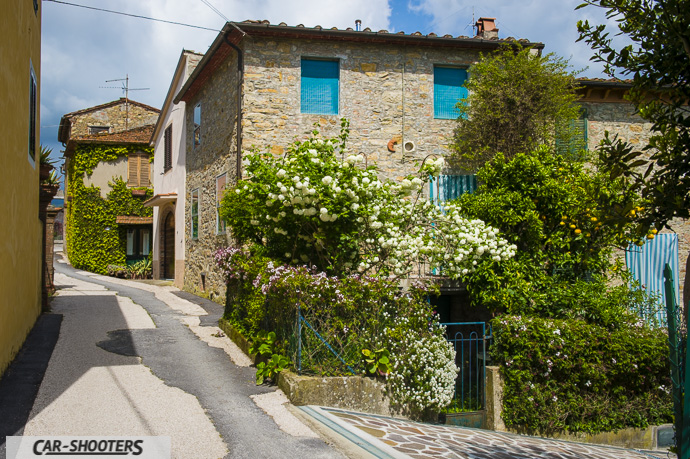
point(486, 28)
point(358, 25)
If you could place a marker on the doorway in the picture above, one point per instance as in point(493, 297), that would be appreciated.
point(168, 258)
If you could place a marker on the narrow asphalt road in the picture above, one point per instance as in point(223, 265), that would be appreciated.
point(130, 361)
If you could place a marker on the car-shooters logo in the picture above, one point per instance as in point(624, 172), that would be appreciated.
point(85, 447)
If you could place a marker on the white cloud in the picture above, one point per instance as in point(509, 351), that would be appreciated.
point(82, 48)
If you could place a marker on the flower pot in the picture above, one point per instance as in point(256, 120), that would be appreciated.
point(44, 171)
point(46, 194)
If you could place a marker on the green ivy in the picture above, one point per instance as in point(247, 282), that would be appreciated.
point(571, 375)
point(94, 239)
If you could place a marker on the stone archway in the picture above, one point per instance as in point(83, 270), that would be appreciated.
point(168, 246)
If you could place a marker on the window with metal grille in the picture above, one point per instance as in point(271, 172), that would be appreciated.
point(449, 89)
point(33, 96)
point(320, 86)
point(197, 125)
point(221, 181)
point(167, 143)
point(194, 212)
point(98, 129)
point(138, 169)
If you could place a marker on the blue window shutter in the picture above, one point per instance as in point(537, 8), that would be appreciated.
point(320, 87)
point(448, 187)
point(646, 264)
point(448, 90)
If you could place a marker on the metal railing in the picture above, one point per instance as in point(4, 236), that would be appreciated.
point(471, 344)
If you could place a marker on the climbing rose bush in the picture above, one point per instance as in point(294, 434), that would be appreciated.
point(321, 206)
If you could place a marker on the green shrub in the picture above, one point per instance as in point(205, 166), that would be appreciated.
point(93, 238)
point(569, 375)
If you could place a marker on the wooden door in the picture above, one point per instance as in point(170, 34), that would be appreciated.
point(169, 246)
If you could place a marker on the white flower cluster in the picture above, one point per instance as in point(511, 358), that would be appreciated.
point(423, 375)
point(317, 208)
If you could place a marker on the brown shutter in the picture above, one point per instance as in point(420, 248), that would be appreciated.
point(144, 170)
point(168, 148)
point(133, 169)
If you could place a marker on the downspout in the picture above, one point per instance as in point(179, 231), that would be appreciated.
point(240, 78)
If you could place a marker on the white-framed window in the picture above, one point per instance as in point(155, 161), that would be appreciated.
point(194, 212)
point(197, 125)
point(33, 113)
point(221, 181)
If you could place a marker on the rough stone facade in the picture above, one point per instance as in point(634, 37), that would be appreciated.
point(118, 117)
point(385, 91)
point(214, 156)
point(619, 118)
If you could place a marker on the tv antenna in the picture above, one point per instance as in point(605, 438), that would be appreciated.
point(125, 88)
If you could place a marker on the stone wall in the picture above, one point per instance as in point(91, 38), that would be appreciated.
point(119, 117)
point(214, 156)
point(386, 92)
point(621, 119)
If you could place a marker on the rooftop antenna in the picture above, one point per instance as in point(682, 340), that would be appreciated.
point(125, 88)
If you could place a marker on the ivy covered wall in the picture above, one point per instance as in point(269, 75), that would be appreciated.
point(94, 240)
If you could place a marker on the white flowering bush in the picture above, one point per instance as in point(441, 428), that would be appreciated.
point(320, 205)
point(423, 373)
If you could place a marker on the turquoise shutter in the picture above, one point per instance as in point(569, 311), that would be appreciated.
point(448, 91)
point(319, 94)
point(646, 264)
point(448, 187)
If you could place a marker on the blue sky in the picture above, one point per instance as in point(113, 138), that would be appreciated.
point(81, 48)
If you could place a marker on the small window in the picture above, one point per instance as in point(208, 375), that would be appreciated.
point(138, 242)
point(221, 181)
point(571, 139)
point(197, 125)
point(194, 210)
point(167, 141)
point(98, 129)
point(138, 170)
point(320, 86)
point(449, 89)
point(33, 101)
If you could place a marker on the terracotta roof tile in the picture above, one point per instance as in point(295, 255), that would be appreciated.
point(137, 135)
point(128, 220)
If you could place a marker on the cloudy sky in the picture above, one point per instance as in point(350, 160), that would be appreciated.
point(83, 48)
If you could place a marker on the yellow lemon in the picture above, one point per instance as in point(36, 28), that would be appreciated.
point(573, 226)
point(562, 223)
point(587, 235)
point(650, 236)
point(593, 219)
point(654, 231)
point(578, 231)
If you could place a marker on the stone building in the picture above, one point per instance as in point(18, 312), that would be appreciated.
point(264, 85)
point(104, 145)
point(169, 169)
point(605, 109)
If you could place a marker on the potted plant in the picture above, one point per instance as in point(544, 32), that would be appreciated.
point(46, 163)
point(49, 188)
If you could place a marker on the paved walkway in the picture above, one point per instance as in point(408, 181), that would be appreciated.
point(385, 437)
point(136, 359)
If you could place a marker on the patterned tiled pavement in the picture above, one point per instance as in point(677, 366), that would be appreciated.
point(396, 438)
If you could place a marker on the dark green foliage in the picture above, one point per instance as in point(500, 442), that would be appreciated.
point(517, 101)
point(94, 239)
point(658, 61)
point(568, 375)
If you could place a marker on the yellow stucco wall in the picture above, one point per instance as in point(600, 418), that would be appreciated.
point(20, 228)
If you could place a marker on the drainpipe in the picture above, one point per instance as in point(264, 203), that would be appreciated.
point(240, 78)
